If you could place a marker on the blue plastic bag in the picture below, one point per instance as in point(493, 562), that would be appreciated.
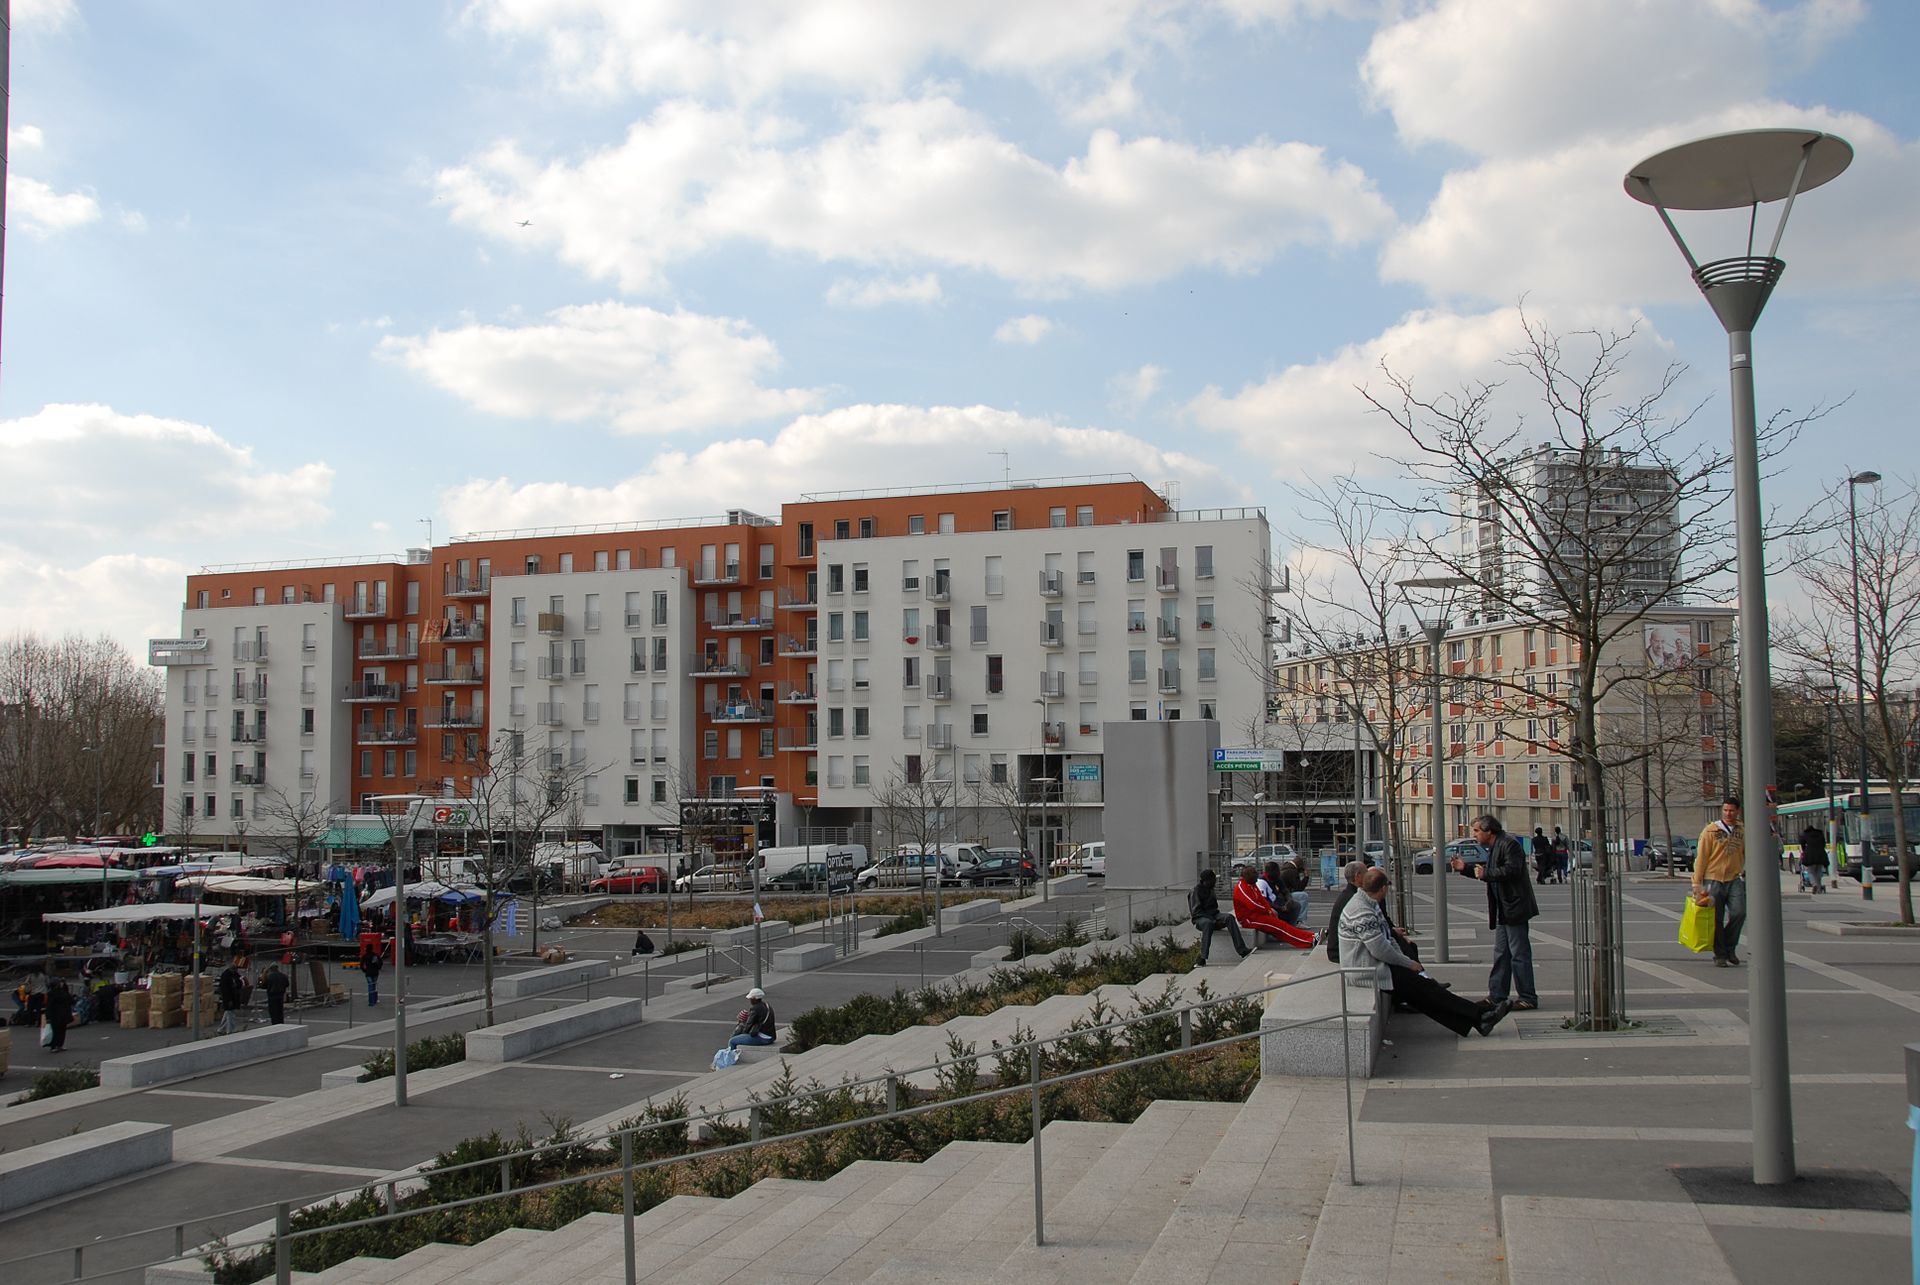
point(726, 1057)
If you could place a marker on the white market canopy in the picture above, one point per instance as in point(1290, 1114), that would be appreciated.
point(429, 890)
point(138, 914)
point(251, 885)
point(32, 877)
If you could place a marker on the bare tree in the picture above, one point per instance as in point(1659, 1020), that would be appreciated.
point(56, 697)
point(916, 808)
point(1888, 624)
point(1580, 521)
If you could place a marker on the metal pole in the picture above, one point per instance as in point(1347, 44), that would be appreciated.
point(1359, 789)
point(400, 972)
point(1346, 1063)
point(1039, 1205)
point(1436, 635)
point(1860, 674)
point(1832, 831)
point(626, 1202)
point(1773, 1159)
point(282, 1248)
point(756, 919)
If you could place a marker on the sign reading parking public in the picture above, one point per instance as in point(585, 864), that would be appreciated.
point(1254, 759)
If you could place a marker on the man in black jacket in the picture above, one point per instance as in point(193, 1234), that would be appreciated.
point(1350, 884)
point(1510, 907)
point(1203, 907)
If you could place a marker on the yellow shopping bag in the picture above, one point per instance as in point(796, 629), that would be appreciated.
point(1696, 926)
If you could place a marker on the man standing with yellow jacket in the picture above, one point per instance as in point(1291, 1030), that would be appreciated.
point(1720, 880)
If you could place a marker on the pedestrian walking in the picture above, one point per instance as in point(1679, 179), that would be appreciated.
point(59, 1013)
point(1511, 906)
point(1720, 880)
point(1203, 907)
point(370, 969)
point(1813, 859)
point(275, 984)
point(233, 996)
point(1363, 924)
point(1542, 855)
point(1562, 855)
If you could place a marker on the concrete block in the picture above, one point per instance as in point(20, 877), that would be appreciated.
point(798, 959)
point(1288, 1049)
point(82, 1160)
point(138, 1070)
point(1061, 885)
point(989, 958)
point(541, 979)
point(515, 1041)
point(731, 938)
point(969, 912)
point(344, 1076)
point(698, 982)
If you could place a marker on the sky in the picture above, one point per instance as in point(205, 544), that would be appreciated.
point(294, 281)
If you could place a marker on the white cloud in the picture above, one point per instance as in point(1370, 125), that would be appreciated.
point(133, 220)
point(1501, 76)
point(877, 291)
point(882, 445)
point(639, 370)
point(916, 182)
point(129, 597)
point(1116, 98)
point(1030, 329)
point(34, 207)
point(1311, 418)
point(1136, 388)
point(50, 15)
point(25, 138)
point(1559, 227)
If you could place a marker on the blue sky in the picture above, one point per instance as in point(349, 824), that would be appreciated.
point(267, 296)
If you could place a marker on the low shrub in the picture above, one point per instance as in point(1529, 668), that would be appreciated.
point(51, 1084)
point(915, 918)
point(422, 1055)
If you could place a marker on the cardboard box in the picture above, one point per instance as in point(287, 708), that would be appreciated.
point(134, 1008)
point(161, 1018)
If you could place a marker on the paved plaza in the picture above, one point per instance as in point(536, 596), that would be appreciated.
point(1537, 1155)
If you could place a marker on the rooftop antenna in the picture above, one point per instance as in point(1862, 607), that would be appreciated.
point(428, 524)
point(1006, 469)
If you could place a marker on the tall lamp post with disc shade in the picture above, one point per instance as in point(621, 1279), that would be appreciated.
point(1743, 171)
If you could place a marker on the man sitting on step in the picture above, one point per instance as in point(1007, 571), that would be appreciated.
point(1363, 926)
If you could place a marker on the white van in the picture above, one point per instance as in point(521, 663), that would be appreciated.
point(572, 863)
point(777, 861)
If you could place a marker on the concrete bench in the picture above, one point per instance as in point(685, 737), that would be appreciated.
point(516, 1041)
point(798, 959)
point(729, 938)
point(551, 977)
point(1315, 1050)
point(699, 982)
point(138, 1070)
point(1060, 885)
point(969, 912)
point(82, 1160)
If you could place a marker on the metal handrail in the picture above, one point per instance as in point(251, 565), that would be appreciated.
point(284, 1234)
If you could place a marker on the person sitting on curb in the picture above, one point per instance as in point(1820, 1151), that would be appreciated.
point(1203, 906)
point(1351, 884)
point(756, 1021)
point(1363, 924)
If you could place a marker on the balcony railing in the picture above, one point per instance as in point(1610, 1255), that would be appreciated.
point(1169, 682)
point(250, 693)
point(252, 653)
point(550, 714)
point(379, 649)
point(465, 631)
point(245, 777)
point(1052, 584)
point(939, 687)
point(791, 601)
point(1089, 679)
point(939, 637)
point(552, 668)
point(473, 586)
point(249, 735)
point(455, 716)
point(1167, 629)
point(725, 665)
point(718, 575)
point(388, 735)
point(1166, 579)
point(739, 712)
point(455, 674)
point(799, 696)
point(791, 646)
point(738, 623)
point(939, 588)
point(940, 736)
point(1054, 685)
point(551, 622)
point(1085, 579)
point(659, 711)
point(358, 608)
point(1052, 633)
point(798, 738)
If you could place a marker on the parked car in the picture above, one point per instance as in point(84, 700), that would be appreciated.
point(909, 869)
point(1002, 865)
point(1272, 852)
point(1675, 852)
point(1088, 859)
point(1466, 849)
point(710, 879)
point(631, 880)
point(1376, 853)
point(810, 876)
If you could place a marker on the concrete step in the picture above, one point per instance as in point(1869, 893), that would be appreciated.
point(1111, 1217)
point(970, 1242)
point(429, 1263)
point(365, 1271)
point(1251, 1209)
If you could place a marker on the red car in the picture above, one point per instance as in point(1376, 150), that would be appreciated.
point(643, 879)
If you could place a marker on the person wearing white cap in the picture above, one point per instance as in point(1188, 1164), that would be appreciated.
point(755, 1025)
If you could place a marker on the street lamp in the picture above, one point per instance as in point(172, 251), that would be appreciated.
point(1866, 477)
point(1436, 631)
point(1046, 778)
point(1727, 172)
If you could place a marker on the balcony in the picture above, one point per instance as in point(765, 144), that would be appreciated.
point(358, 608)
point(940, 736)
point(940, 687)
point(1166, 579)
point(791, 646)
point(1169, 682)
point(1053, 685)
point(739, 712)
point(250, 693)
point(1089, 680)
point(799, 696)
point(940, 588)
point(552, 668)
point(387, 735)
point(659, 711)
point(633, 712)
point(1053, 584)
point(798, 738)
point(1053, 735)
point(189, 733)
point(249, 735)
point(178, 651)
point(464, 631)
point(375, 649)
point(547, 714)
point(247, 778)
point(251, 653)
point(723, 666)
point(1167, 629)
point(734, 622)
point(1053, 633)
point(717, 575)
point(455, 674)
point(552, 623)
point(456, 716)
point(939, 638)
point(791, 601)
point(474, 586)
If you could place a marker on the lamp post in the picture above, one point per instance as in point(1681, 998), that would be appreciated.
point(1046, 778)
point(1436, 632)
point(1727, 172)
point(1866, 477)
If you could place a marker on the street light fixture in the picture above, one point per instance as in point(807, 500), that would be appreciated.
point(1726, 172)
point(1046, 777)
point(1866, 477)
point(1436, 631)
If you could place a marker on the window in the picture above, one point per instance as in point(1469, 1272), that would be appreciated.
point(518, 613)
point(1137, 711)
point(659, 607)
point(836, 722)
point(836, 578)
point(997, 769)
point(1136, 565)
point(979, 720)
point(977, 626)
point(1057, 516)
point(1083, 515)
point(1003, 519)
point(842, 529)
point(916, 524)
point(860, 577)
point(710, 744)
point(862, 721)
point(862, 771)
point(630, 795)
point(945, 523)
point(1136, 615)
point(860, 632)
point(866, 528)
point(659, 790)
point(1203, 613)
point(1203, 562)
point(836, 626)
point(996, 680)
point(1206, 669)
point(910, 672)
point(1136, 666)
point(306, 722)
